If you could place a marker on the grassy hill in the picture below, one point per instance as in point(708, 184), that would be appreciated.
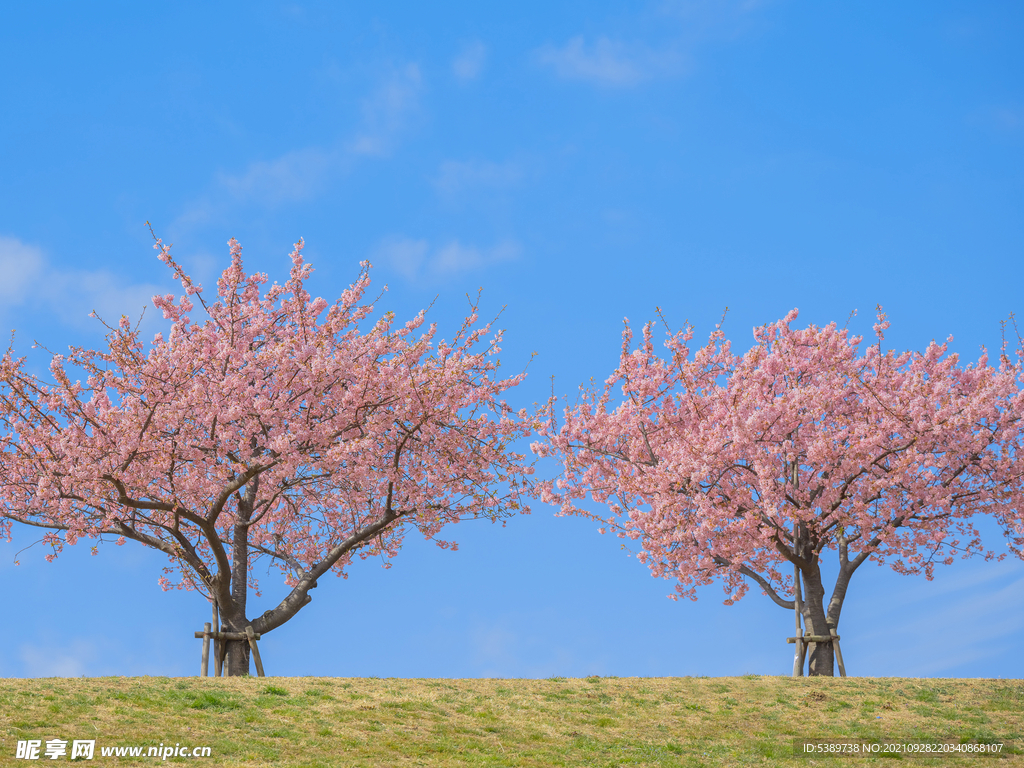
point(558, 722)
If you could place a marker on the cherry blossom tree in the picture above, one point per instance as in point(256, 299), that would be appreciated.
point(740, 468)
point(277, 431)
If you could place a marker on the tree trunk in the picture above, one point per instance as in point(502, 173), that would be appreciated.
point(238, 650)
point(821, 663)
point(238, 657)
point(232, 619)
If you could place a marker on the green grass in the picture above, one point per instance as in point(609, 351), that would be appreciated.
point(601, 722)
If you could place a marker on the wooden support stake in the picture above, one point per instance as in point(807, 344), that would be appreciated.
point(218, 646)
point(798, 651)
point(798, 656)
point(839, 654)
point(813, 639)
point(255, 651)
point(229, 635)
point(206, 650)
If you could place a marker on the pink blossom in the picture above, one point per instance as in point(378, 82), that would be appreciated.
point(738, 467)
point(319, 439)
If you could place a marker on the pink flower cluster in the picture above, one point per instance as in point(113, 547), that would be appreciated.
point(278, 428)
point(713, 461)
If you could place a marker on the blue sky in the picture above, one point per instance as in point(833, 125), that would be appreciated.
point(582, 162)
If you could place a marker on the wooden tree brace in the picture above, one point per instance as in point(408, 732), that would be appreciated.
point(227, 635)
point(830, 638)
point(839, 653)
point(207, 634)
point(251, 636)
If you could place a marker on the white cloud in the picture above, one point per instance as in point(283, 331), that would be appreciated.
point(1008, 118)
point(20, 265)
point(495, 650)
point(27, 277)
point(73, 294)
point(992, 596)
point(57, 662)
point(470, 62)
point(387, 111)
point(681, 27)
point(707, 16)
point(301, 174)
point(406, 256)
point(608, 62)
point(454, 176)
point(416, 260)
point(455, 257)
point(293, 176)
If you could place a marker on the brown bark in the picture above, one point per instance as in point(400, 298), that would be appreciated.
point(817, 620)
point(233, 618)
point(821, 662)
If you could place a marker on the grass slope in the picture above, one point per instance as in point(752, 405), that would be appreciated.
point(558, 722)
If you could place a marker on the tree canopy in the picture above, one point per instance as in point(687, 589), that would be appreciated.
point(729, 467)
point(277, 431)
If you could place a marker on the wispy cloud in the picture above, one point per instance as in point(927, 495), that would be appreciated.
point(405, 255)
point(455, 176)
point(470, 62)
point(495, 650)
point(709, 11)
point(69, 661)
point(515, 645)
point(295, 176)
point(20, 265)
point(1009, 118)
point(417, 260)
point(27, 278)
point(667, 36)
point(386, 112)
point(302, 174)
point(454, 257)
point(291, 177)
point(609, 62)
point(73, 294)
point(939, 611)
